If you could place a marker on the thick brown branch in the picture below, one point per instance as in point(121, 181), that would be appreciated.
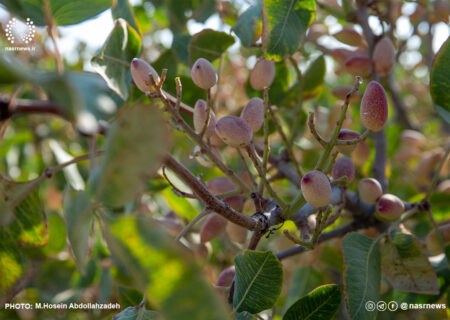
point(23, 106)
point(209, 199)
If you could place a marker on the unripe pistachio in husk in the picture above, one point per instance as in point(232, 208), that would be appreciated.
point(316, 188)
point(361, 154)
point(347, 134)
point(426, 164)
point(369, 190)
point(226, 277)
point(236, 233)
point(214, 226)
point(383, 56)
point(374, 107)
point(341, 55)
point(343, 167)
point(234, 131)
point(359, 65)
point(253, 113)
point(389, 208)
point(262, 74)
point(444, 186)
point(200, 111)
point(203, 74)
point(140, 71)
point(349, 37)
point(412, 138)
point(215, 140)
point(220, 185)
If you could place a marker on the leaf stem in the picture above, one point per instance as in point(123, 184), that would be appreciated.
point(179, 93)
point(208, 112)
point(287, 144)
point(252, 155)
point(247, 169)
point(202, 214)
point(313, 130)
point(266, 136)
point(296, 240)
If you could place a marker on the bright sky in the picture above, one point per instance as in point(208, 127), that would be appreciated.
point(95, 31)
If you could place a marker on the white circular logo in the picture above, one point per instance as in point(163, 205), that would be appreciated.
point(25, 36)
point(392, 306)
point(404, 306)
point(370, 305)
point(381, 306)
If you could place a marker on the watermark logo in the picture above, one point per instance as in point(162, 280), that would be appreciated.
point(20, 36)
point(381, 306)
point(393, 306)
point(370, 306)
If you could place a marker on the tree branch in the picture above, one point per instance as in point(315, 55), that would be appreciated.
point(216, 205)
point(23, 106)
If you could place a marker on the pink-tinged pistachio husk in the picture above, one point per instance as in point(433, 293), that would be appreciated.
point(236, 233)
point(203, 74)
point(341, 55)
point(412, 138)
point(343, 167)
point(202, 250)
point(359, 65)
point(341, 93)
point(200, 111)
point(369, 190)
point(361, 154)
point(316, 30)
point(253, 113)
point(246, 179)
point(335, 113)
point(349, 37)
point(236, 202)
point(220, 185)
point(140, 71)
point(406, 153)
point(383, 56)
point(427, 163)
point(347, 134)
point(316, 188)
point(374, 107)
point(214, 226)
point(332, 4)
point(389, 208)
point(234, 131)
point(215, 140)
point(203, 159)
point(444, 186)
point(226, 277)
point(432, 239)
point(262, 74)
